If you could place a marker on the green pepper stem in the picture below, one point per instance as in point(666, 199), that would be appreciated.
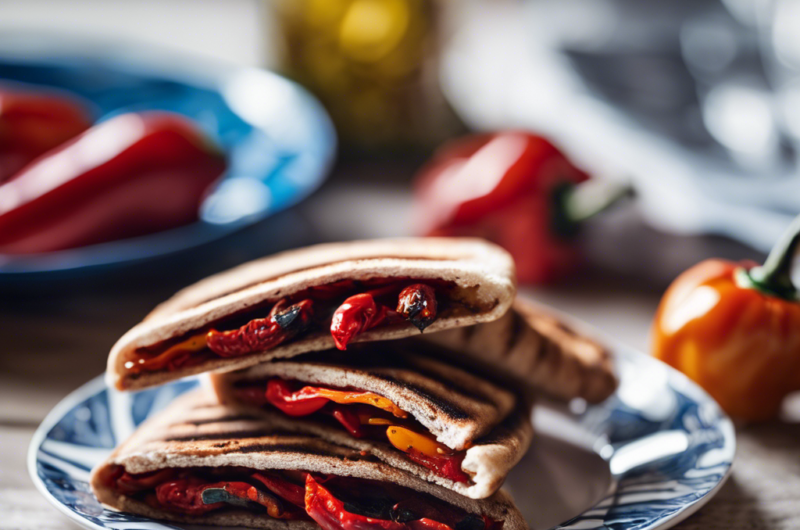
point(576, 203)
point(775, 276)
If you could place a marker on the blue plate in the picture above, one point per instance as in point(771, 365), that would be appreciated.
point(279, 141)
point(648, 457)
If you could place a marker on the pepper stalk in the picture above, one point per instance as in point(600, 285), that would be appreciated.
point(774, 277)
point(576, 203)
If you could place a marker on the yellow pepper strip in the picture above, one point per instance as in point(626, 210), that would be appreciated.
point(405, 440)
point(192, 344)
point(346, 397)
point(377, 421)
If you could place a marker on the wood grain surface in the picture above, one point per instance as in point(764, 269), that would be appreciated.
point(56, 336)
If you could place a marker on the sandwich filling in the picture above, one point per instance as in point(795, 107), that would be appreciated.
point(333, 502)
point(363, 415)
point(380, 303)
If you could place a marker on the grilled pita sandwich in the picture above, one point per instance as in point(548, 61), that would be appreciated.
point(537, 350)
point(313, 299)
point(203, 463)
point(418, 414)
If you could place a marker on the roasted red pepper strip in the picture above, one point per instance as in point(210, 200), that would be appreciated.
point(282, 488)
point(185, 496)
point(34, 122)
point(447, 466)
point(129, 484)
point(356, 315)
point(281, 395)
point(329, 512)
point(359, 313)
point(310, 399)
point(131, 175)
point(417, 304)
point(349, 420)
point(262, 333)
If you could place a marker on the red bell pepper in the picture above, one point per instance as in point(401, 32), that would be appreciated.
point(515, 189)
point(131, 175)
point(32, 123)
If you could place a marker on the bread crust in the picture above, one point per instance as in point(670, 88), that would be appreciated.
point(536, 349)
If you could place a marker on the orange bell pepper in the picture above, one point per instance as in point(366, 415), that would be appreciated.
point(734, 328)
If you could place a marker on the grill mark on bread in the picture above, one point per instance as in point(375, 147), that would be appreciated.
point(467, 392)
point(450, 410)
point(394, 357)
point(307, 449)
point(224, 419)
point(304, 269)
point(200, 437)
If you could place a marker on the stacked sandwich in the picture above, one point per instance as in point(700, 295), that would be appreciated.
point(327, 407)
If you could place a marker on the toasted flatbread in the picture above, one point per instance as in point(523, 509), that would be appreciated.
point(463, 411)
point(196, 432)
point(477, 277)
point(537, 350)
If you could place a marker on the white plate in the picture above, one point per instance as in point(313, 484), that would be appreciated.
point(648, 457)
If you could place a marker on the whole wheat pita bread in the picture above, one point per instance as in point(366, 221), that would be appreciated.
point(482, 274)
point(463, 411)
point(220, 436)
point(536, 349)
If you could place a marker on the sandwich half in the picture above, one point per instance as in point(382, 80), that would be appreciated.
point(312, 299)
point(202, 463)
point(534, 348)
point(429, 418)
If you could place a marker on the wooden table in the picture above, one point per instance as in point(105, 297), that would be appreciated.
point(56, 336)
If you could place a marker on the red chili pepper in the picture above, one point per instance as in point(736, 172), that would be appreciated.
point(32, 123)
point(131, 175)
point(515, 189)
point(262, 333)
point(281, 395)
point(356, 315)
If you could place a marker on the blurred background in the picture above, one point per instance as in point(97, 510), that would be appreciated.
point(659, 133)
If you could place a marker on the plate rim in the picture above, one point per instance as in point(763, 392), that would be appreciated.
point(89, 388)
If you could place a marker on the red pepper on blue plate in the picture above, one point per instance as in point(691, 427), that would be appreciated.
point(131, 175)
point(516, 189)
point(32, 123)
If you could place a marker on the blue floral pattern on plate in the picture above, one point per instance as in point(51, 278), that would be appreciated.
point(667, 444)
